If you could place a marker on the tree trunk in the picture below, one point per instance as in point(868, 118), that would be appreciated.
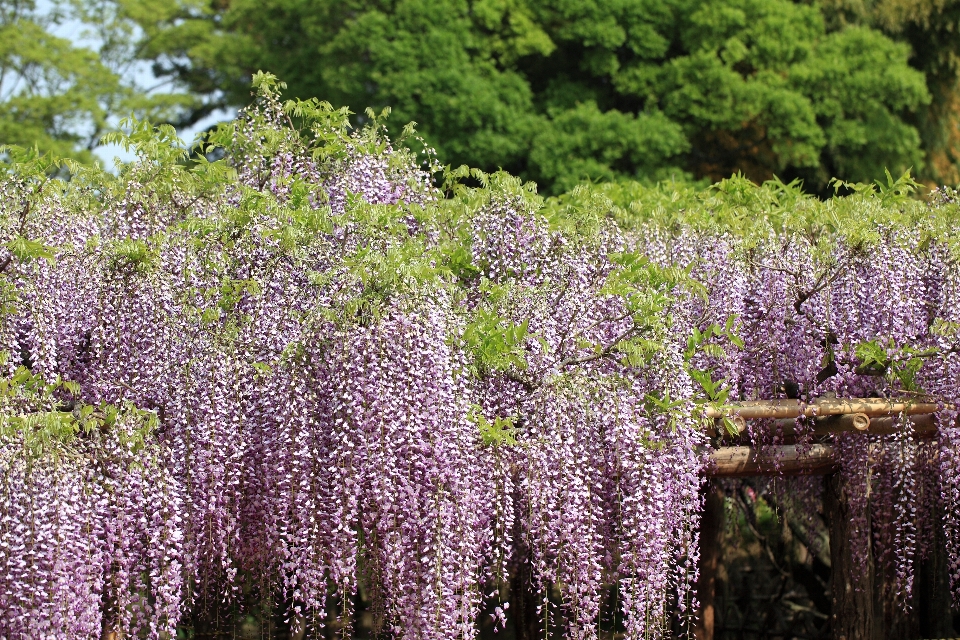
point(854, 615)
point(711, 540)
point(523, 602)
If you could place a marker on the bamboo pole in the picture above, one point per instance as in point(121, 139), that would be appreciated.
point(830, 424)
point(817, 459)
point(735, 462)
point(774, 409)
point(923, 425)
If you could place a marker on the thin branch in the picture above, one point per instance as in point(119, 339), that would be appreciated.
point(24, 214)
point(760, 265)
point(603, 353)
point(822, 283)
point(750, 521)
point(591, 326)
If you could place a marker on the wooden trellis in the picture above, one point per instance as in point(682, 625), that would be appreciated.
point(829, 415)
point(854, 613)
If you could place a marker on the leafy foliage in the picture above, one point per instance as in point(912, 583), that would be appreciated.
point(929, 27)
point(564, 92)
point(60, 96)
point(333, 376)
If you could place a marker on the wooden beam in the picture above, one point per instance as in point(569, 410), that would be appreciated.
point(923, 425)
point(738, 462)
point(830, 424)
point(759, 409)
point(711, 543)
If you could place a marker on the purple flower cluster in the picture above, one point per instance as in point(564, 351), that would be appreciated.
point(90, 540)
point(358, 384)
point(802, 305)
point(606, 488)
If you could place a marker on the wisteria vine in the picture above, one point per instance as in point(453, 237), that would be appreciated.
point(322, 366)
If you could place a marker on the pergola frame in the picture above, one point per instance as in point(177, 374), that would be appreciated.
point(854, 611)
point(829, 415)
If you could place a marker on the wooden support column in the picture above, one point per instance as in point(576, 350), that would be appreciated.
point(932, 589)
point(523, 600)
point(711, 542)
point(853, 615)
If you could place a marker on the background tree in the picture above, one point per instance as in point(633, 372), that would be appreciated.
point(63, 96)
point(930, 27)
point(561, 91)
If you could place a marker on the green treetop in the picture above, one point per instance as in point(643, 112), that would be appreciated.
point(930, 28)
point(60, 95)
point(559, 91)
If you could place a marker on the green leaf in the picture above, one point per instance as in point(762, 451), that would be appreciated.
point(27, 250)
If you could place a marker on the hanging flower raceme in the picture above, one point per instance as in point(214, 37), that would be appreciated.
point(406, 460)
point(92, 531)
point(337, 384)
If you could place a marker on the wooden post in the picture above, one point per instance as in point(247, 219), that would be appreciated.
point(523, 601)
point(853, 615)
point(711, 539)
point(932, 589)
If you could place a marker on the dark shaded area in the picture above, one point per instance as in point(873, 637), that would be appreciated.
point(770, 585)
point(777, 580)
point(765, 576)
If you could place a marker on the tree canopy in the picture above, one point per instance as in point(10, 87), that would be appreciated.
point(62, 95)
point(559, 92)
point(930, 28)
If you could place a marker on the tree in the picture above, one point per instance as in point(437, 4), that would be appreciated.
point(60, 96)
point(559, 92)
point(930, 27)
